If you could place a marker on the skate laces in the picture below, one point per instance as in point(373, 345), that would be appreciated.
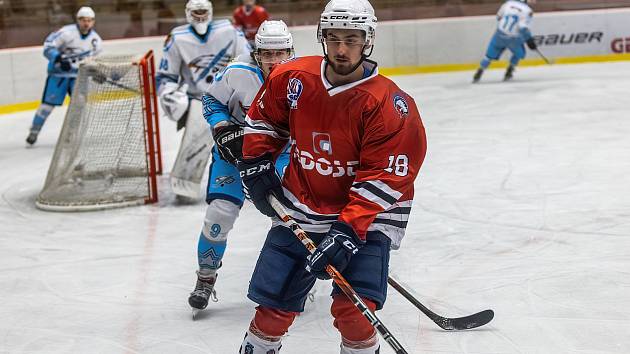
point(205, 286)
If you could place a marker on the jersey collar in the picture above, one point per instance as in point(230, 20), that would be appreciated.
point(333, 90)
point(83, 36)
point(204, 38)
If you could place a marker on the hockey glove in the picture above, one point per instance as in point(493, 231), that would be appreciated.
point(229, 140)
point(259, 180)
point(64, 63)
point(174, 101)
point(531, 44)
point(336, 249)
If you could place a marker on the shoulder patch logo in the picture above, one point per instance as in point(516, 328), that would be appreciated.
point(400, 104)
point(294, 91)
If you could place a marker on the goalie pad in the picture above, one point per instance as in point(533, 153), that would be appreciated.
point(192, 157)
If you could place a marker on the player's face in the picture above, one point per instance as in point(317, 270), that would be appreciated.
point(249, 3)
point(270, 57)
point(200, 15)
point(85, 24)
point(345, 49)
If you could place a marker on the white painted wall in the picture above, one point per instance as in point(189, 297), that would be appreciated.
point(398, 43)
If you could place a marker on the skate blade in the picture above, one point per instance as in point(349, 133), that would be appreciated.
point(195, 313)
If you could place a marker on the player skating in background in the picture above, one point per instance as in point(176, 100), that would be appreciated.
point(193, 54)
point(248, 18)
point(64, 49)
point(225, 106)
point(357, 145)
point(513, 21)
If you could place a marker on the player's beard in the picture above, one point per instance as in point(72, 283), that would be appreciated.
point(345, 67)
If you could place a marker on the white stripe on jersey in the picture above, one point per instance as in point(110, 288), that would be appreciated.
point(377, 192)
point(260, 127)
point(391, 222)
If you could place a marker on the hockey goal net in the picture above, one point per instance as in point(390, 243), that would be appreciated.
point(108, 153)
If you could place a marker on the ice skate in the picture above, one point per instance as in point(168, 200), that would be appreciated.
point(477, 76)
point(203, 292)
point(509, 73)
point(32, 137)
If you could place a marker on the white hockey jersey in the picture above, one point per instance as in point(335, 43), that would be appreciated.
point(514, 18)
point(195, 60)
point(70, 43)
point(232, 92)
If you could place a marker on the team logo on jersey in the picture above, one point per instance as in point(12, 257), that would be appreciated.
point(207, 66)
point(223, 180)
point(323, 166)
point(322, 143)
point(401, 106)
point(294, 90)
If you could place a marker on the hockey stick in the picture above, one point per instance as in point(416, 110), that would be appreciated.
point(447, 323)
point(124, 87)
point(550, 62)
point(337, 278)
point(100, 78)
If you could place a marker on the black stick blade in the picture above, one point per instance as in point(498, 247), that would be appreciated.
point(467, 322)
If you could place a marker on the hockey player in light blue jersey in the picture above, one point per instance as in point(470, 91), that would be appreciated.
point(64, 49)
point(225, 105)
point(193, 55)
point(513, 20)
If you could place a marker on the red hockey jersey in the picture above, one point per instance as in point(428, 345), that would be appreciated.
point(356, 149)
point(249, 21)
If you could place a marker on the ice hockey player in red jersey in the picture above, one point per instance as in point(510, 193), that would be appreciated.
point(357, 145)
point(248, 17)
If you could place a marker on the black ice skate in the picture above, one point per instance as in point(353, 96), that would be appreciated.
point(509, 73)
point(477, 76)
point(204, 291)
point(32, 137)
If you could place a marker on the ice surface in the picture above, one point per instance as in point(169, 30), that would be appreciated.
point(522, 206)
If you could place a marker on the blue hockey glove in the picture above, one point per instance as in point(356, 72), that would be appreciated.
point(336, 249)
point(64, 63)
point(259, 180)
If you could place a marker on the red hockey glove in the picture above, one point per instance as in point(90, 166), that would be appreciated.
point(336, 249)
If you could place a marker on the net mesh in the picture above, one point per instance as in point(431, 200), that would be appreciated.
point(100, 158)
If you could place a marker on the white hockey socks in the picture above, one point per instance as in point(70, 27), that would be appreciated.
point(368, 346)
point(43, 111)
point(252, 344)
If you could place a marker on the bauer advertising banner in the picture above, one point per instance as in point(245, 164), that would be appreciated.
point(434, 43)
point(579, 33)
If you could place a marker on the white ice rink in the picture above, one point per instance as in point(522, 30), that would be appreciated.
point(522, 206)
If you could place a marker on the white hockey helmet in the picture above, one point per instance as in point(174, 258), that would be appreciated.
point(349, 14)
point(86, 11)
point(199, 22)
point(273, 35)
